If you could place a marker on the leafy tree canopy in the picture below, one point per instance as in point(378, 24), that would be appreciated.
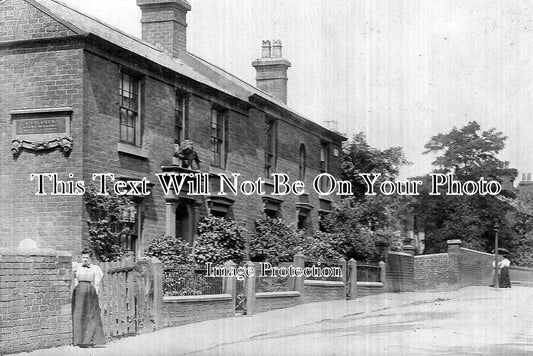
point(360, 157)
point(467, 152)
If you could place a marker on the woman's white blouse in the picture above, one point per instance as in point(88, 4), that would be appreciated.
point(91, 273)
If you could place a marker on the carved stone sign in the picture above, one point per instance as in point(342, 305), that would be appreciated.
point(40, 126)
point(41, 129)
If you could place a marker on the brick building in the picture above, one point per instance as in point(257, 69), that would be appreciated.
point(78, 97)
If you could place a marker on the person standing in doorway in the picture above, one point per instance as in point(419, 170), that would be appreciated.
point(87, 328)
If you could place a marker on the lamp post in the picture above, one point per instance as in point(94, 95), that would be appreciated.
point(496, 269)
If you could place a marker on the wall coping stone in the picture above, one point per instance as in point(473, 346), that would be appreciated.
point(288, 294)
point(196, 298)
point(310, 282)
point(400, 253)
point(521, 268)
point(370, 284)
point(432, 255)
point(478, 252)
point(32, 252)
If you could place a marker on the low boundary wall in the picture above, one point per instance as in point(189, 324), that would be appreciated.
point(35, 297)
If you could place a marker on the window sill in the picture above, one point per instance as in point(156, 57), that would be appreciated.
point(217, 170)
point(131, 150)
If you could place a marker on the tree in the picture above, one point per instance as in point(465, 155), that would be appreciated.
point(360, 157)
point(354, 226)
point(358, 224)
point(469, 154)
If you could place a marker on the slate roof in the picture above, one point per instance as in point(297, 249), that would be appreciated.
point(188, 65)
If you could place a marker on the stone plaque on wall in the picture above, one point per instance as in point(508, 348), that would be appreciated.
point(39, 126)
point(41, 129)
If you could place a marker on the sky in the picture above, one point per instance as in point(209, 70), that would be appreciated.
point(401, 71)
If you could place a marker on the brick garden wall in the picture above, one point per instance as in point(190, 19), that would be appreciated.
point(521, 274)
point(475, 268)
point(433, 272)
point(271, 301)
point(34, 299)
point(460, 267)
point(318, 291)
point(177, 311)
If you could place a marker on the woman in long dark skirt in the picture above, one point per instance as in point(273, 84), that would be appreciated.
point(87, 328)
point(505, 280)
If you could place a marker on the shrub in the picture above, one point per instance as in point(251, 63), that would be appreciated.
point(324, 246)
point(171, 251)
point(219, 240)
point(274, 240)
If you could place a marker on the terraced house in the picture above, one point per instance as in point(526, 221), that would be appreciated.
point(79, 97)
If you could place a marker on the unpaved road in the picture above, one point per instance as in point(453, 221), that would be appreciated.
point(471, 321)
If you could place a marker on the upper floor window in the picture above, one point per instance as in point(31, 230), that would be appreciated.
point(302, 162)
point(270, 148)
point(324, 158)
point(218, 137)
point(324, 165)
point(130, 119)
point(181, 129)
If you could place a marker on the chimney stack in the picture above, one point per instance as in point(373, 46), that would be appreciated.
point(271, 70)
point(164, 24)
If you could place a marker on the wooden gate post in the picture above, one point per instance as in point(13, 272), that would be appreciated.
point(156, 270)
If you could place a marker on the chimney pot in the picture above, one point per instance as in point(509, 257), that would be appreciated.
point(266, 49)
point(276, 49)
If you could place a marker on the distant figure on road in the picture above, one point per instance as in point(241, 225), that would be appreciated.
point(505, 280)
point(87, 328)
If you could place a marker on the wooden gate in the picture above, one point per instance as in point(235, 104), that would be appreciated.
point(240, 297)
point(122, 300)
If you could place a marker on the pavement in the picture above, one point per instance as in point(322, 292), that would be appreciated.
point(469, 321)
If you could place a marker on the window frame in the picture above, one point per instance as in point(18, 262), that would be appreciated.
point(302, 163)
point(324, 163)
point(271, 140)
point(181, 117)
point(134, 107)
point(220, 127)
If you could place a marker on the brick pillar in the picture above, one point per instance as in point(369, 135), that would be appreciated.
point(249, 289)
point(342, 263)
point(170, 217)
point(383, 274)
point(454, 249)
point(352, 265)
point(299, 261)
point(230, 284)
